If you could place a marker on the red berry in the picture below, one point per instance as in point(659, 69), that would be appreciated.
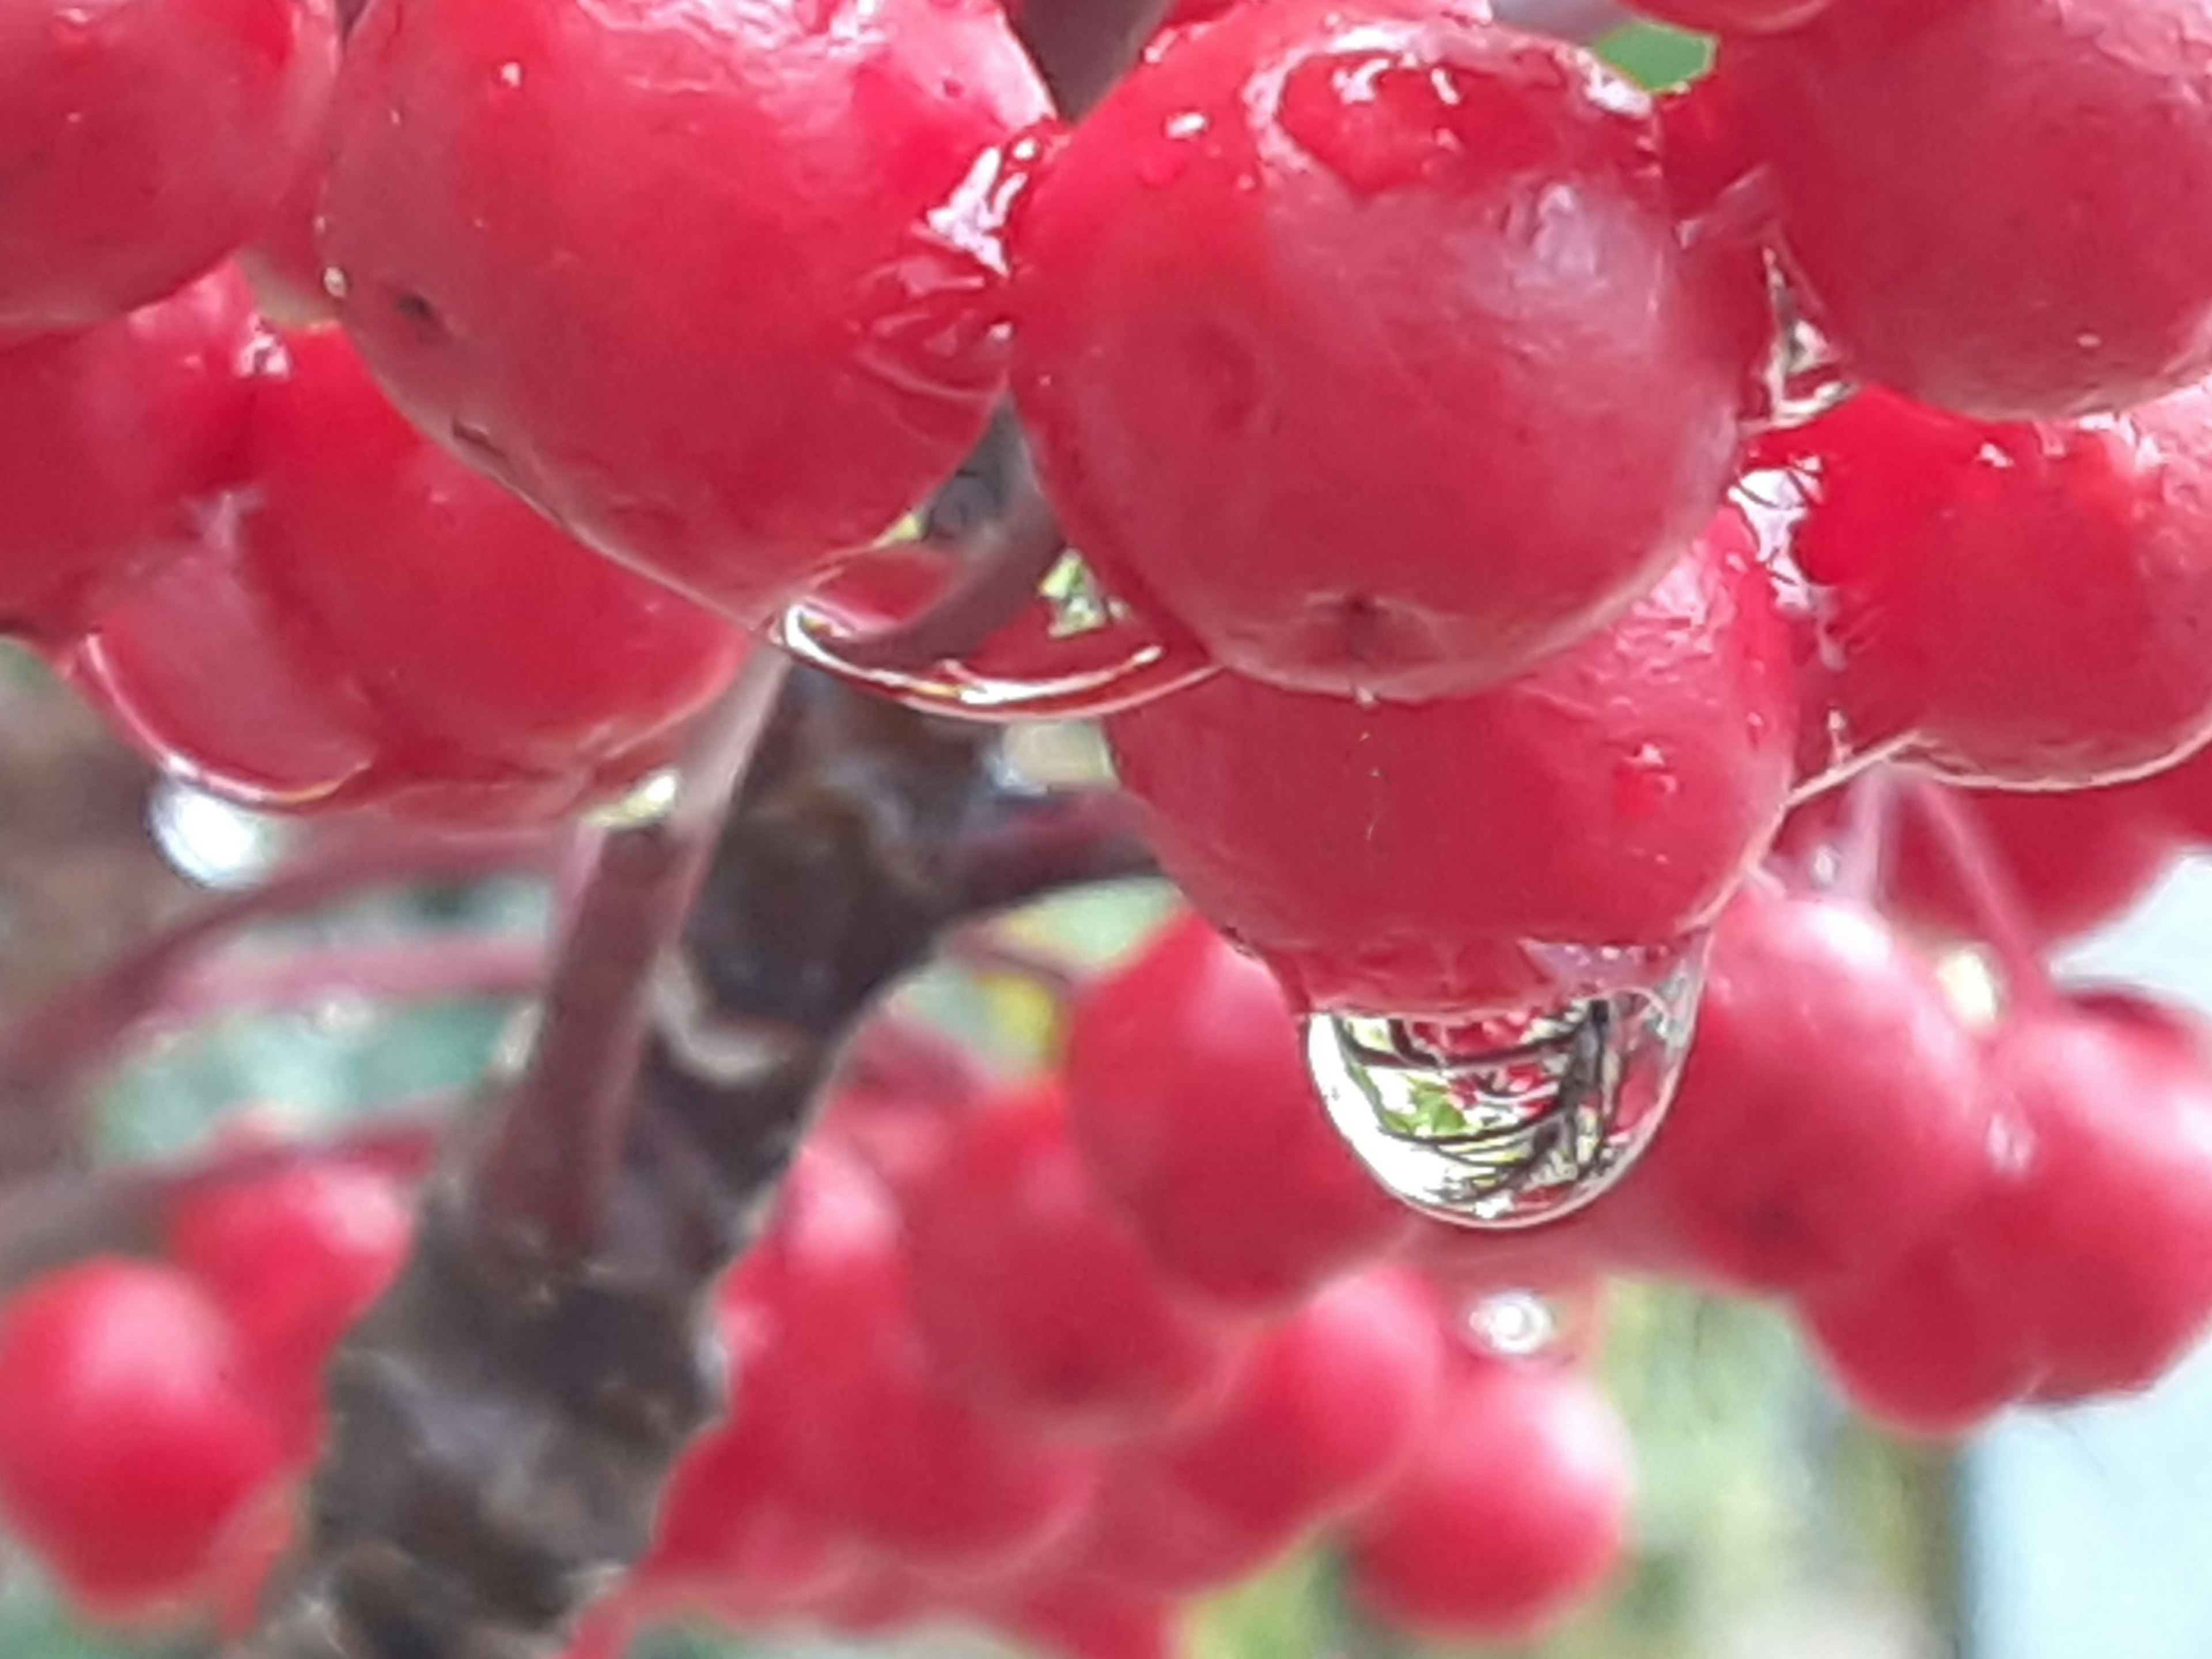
point(1306, 314)
point(126, 1444)
point(1922, 1348)
point(2021, 605)
point(328, 648)
point(2084, 1266)
point(1326, 1408)
point(725, 374)
point(868, 1437)
point(1035, 1301)
point(189, 667)
point(142, 142)
point(295, 1258)
point(384, 558)
point(1481, 852)
point(1833, 1113)
point(1189, 1097)
point(1078, 1620)
point(2074, 859)
point(111, 442)
point(1517, 1509)
point(1944, 173)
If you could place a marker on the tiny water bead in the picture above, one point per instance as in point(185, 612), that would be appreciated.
point(1508, 1121)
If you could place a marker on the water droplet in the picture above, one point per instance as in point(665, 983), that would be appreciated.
point(1514, 1324)
point(335, 283)
point(1804, 377)
point(212, 842)
point(1509, 1121)
point(510, 74)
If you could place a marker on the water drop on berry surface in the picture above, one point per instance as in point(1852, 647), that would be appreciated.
point(212, 842)
point(1512, 1324)
point(1509, 1121)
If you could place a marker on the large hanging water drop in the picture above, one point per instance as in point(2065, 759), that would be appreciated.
point(1509, 1121)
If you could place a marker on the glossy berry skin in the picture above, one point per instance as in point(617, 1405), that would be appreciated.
point(112, 441)
point(2074, 859)
point(190, 667)
point(2023, 604)
point(1035, 1301)
point(328, 645)
point(1942, 173)
point(126, 1443)
point(1833, 1113)
point(381, 553)
point(870, 1440)
point(722, 375)
point(1330, 1404)
point(1517, 1509)
point(142, 142)
point(1308, 313)
point(2083, 1267)
point(1471, 854)
point(1189, 1098)
point(295, 1259)
point(1736, 16)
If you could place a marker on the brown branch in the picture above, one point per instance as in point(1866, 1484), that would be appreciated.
point(554, 1154)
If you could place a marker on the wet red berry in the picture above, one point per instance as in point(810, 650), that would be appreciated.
point(1035, 1301)
point(142, 142)
point(1321, 318)
point(113, 444)
point(1486, 853)
point(1943, 171)
point(1189, 1097)
point(127, 1438)
point(295, 1258)
point(871, 1438)
point(725, 374)
point(1833, 1113)
point(2083, 1267)
point(1517, 1509)
point(2021, 605)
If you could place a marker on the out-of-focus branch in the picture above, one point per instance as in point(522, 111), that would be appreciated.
point(550, 1160)
point(49, 1053)
point(67, 1214)
point(503, 1422)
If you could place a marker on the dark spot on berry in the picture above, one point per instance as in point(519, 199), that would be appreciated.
point(416, 309)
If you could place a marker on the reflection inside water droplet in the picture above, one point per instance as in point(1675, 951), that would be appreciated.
point(1507, 1122)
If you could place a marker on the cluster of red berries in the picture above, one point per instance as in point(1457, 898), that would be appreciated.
point(1559, 486)
point(1396, 361)
point(1047, 1357)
